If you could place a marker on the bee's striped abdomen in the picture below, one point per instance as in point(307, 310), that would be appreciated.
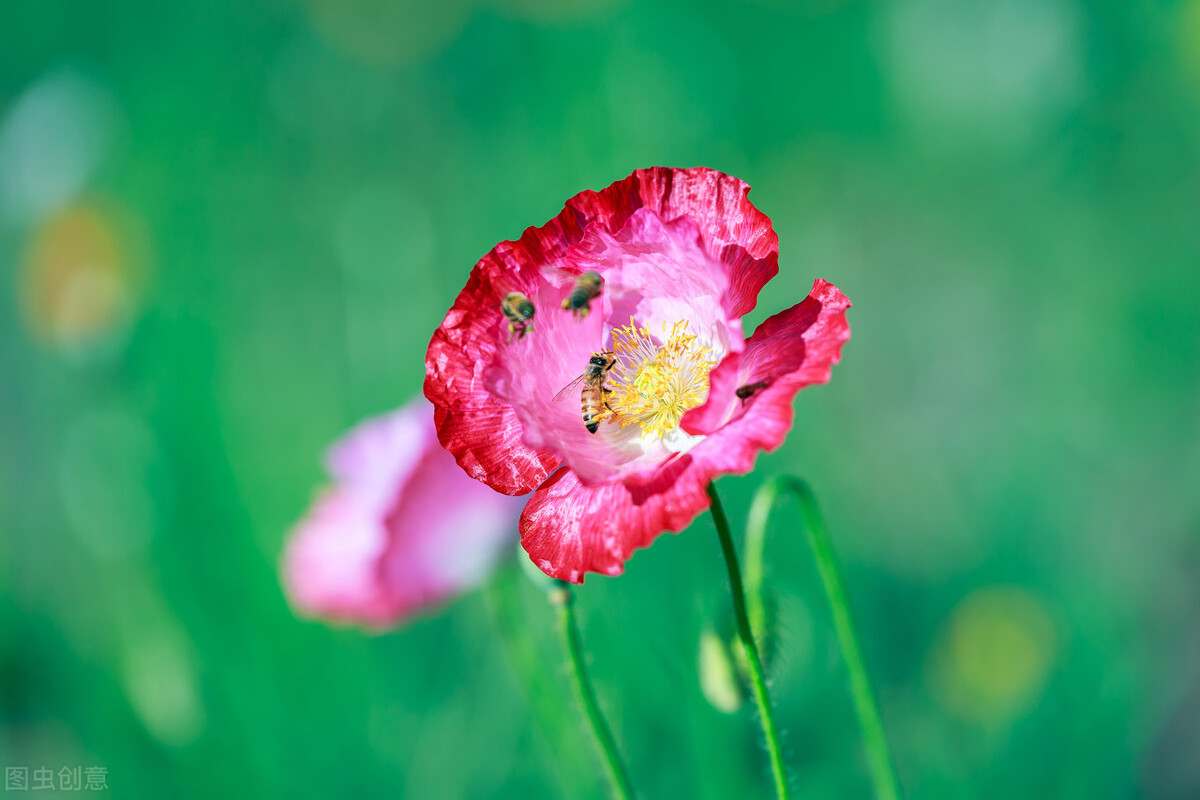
point(592, 401)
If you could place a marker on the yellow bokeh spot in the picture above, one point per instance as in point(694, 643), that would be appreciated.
point(77, 277)
point(993, 654)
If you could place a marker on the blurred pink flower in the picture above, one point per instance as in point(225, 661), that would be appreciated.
point(401, 529)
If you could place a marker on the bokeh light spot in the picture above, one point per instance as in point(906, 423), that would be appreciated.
point(383, 33)
point(160, 682)
point(51, 141)
point(994, 654)
point(79, 277)
point(997, 71)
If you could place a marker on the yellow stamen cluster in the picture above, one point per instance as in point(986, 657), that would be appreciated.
point(654, 385)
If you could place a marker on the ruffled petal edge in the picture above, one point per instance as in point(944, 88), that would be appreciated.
point(482, 432)
point(570, 529)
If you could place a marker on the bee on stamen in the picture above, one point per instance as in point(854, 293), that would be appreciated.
point(586, 289)
point(749, 390)
point(592, 398)
point(518, 310)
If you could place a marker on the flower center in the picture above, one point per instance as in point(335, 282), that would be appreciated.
point(654, 385)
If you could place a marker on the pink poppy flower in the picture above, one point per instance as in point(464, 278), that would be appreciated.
point(400, 530)
point(682, 254)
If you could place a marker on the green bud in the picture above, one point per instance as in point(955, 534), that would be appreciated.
point(719, 678)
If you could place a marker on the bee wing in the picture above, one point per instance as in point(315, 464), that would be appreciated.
point(563, 391)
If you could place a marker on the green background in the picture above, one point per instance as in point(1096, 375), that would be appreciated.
point(227, 230)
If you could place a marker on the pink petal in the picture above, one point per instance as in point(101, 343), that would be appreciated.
point(570, 529)
point(366, 457)
point(656, 275)
point(734, 231)
point(790, 350)
point(481, 432)
point(494, 416)
point(403, 529)
point(330, 563)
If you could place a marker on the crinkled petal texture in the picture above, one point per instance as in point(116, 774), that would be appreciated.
point(683, 255)
point(401, 529)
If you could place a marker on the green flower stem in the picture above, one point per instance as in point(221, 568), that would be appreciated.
point(562, 597)
point(879, 756)
point(758, 679)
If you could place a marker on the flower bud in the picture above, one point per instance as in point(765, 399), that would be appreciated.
point(720, 681)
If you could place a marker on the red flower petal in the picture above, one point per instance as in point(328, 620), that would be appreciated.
point(481, 432)
point(788, 351)
point(732, 228)
point(570, 529)
point(480, 429)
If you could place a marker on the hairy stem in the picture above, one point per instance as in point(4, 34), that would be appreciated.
point(758, 679)
point(879, 756)
point(562, 597)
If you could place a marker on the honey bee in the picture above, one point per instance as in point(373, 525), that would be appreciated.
point(518, 310)
point(586, 289)
point(591, 395)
